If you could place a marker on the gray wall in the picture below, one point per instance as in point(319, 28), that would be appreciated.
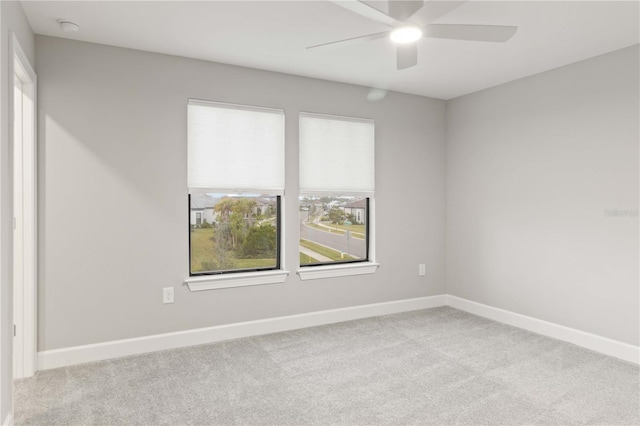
point(12, 20)
point(532, 166)
point(113, 196)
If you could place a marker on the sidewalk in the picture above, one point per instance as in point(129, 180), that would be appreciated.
point(316, 256)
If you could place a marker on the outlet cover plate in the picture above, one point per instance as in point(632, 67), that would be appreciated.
point(167, 295)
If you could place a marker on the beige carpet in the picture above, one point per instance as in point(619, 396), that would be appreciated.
point(435, 366)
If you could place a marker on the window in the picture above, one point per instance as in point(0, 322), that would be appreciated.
point(236, 180)
point(332, 229)
point(235, 235)
point(336, 189)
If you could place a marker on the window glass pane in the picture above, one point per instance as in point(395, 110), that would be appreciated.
point(231, 232)
point(333, 229)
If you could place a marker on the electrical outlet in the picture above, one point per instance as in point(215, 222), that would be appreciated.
point(422, 270)
point(167, 295)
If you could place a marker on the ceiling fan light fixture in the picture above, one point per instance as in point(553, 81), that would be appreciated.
point(406, 34)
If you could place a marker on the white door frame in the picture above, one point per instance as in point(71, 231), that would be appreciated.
point(24, 174)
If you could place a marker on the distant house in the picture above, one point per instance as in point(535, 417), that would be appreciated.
point(202, 209)
point(357, 209)
point(263, 204)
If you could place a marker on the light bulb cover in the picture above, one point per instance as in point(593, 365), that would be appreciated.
point(406, 34)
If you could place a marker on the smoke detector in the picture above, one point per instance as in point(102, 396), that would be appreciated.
point(67, 26)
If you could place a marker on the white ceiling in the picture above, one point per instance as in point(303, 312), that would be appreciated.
point(273, 35)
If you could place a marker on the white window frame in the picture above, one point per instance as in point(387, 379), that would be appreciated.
point(243, 279)
point(347, 269)
point(369, 266)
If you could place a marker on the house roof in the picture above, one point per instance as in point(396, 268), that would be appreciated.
point(203, 201)
point(264, 201)
point(356, 204)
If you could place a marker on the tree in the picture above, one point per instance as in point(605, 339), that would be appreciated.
point(237, 214)
point(237, 226)
point(224, 208)
point(244, 206)
point(222, 255)
point(336, 215)
point(260, 242)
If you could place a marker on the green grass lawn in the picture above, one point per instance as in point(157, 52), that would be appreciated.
point(357, 231)
point(202, 251)
point(325, 251)
point(306, 259)
point(201, 246)
point(254, 263)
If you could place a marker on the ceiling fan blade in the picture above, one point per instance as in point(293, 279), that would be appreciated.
point(404, 9)
point(407, 55)
point(368, 11)
point(494, 33)
point(436, 9)
point(351, 41)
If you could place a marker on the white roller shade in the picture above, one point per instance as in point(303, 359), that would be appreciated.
point(336, 155)
point(235, 148)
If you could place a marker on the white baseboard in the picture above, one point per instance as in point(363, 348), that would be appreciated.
point(119, 348)
point(594, 342)
point(8, 421)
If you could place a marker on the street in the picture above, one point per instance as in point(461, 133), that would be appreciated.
point(356, 247)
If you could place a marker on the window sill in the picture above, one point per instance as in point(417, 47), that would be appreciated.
point(243, 279)
point(331, 271)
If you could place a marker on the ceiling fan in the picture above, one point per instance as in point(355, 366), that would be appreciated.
point(407, 26)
